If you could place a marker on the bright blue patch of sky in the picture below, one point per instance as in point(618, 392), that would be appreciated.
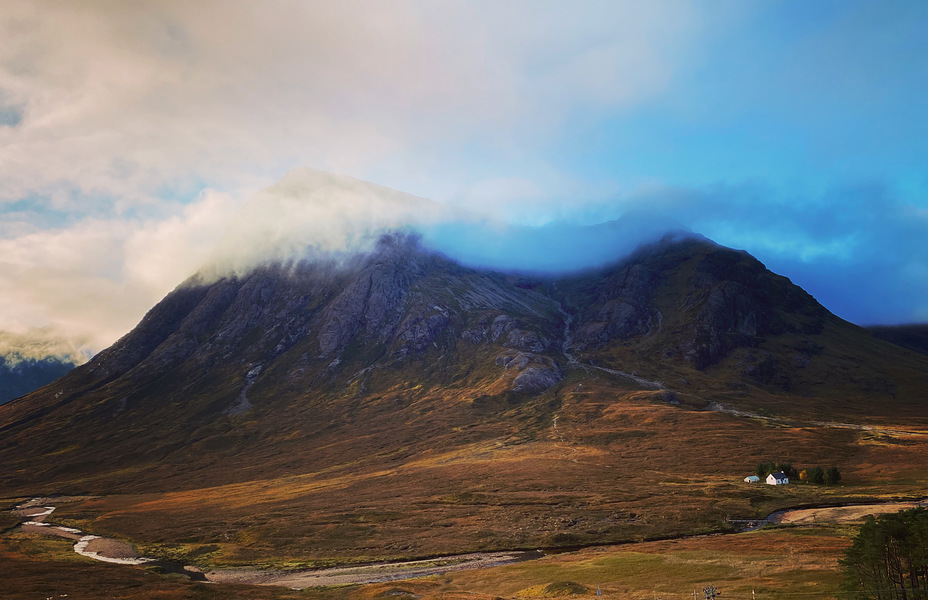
point(811, 94)
point(800, 136)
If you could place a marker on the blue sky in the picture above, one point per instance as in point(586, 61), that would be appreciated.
point(131, 134)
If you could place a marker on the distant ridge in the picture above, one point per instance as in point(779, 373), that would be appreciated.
point(26, 375)
point(914, 337)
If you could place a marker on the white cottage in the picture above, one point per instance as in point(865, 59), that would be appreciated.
point(777, 479)
point(751, 479)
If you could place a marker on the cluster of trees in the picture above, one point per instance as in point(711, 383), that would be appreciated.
point(889, 557)
point(829, 476)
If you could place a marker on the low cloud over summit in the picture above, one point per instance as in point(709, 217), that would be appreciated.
point(132, 136)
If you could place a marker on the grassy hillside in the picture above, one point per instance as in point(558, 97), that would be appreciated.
point(405, 406)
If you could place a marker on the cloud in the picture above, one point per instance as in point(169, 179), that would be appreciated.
point(109, 105)
point(41, 343)
point(310, 212)
point(860, 250)
point(91, 282)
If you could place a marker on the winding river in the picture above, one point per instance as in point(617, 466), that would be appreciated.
point(35, 513)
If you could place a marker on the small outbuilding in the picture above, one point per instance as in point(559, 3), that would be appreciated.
point(751, 479)
point(777, 479)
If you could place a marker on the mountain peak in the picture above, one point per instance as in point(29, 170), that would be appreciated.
point(327, 342)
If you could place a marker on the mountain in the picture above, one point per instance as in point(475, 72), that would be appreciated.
point(349, 406)
point(913, 337)
point(19, 376)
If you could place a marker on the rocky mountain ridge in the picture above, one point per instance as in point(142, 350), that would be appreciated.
point(322, 344)
point(401, 301)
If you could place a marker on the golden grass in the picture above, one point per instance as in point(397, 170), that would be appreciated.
point(773, 563)
point(620, 466)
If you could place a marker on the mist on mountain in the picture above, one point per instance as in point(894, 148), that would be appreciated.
point(311, 214)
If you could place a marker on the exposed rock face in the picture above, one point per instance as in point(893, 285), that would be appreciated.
point(721, 300)
point(420, 328)
point(622, 308)
point(727, 319)
point(336, 347)
point(350, 323)
point(535, 379)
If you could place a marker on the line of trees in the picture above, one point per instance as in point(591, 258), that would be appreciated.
point(829, 476)
point(889, 557)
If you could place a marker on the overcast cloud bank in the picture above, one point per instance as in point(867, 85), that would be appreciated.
point(135, 137)
point(93, 281)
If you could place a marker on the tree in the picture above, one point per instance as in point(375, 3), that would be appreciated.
point(888, 559)
point(764, 468)
point(831, 476)
point(804, 475)
point(817, 475)
point(789, 469)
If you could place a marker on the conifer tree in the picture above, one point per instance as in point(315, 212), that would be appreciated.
point(889, 557)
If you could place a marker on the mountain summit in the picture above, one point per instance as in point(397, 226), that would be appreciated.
point(398, 365)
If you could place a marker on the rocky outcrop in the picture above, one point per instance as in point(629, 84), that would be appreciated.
point(420, 328)
point(535, 373)
point(728, 318)
point(535, 380)
point(622, 308)
point(329, 322)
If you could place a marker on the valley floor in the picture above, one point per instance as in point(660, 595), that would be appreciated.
point(796, 560)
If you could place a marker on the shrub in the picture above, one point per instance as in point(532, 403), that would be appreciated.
point(564, 588)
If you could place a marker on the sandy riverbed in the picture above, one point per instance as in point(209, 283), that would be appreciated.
point(369, 573)
point(839, 514)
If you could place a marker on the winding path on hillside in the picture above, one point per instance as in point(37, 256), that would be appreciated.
point(573, 361)
point(728, 410)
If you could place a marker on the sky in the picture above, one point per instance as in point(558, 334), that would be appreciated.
point(136, 139)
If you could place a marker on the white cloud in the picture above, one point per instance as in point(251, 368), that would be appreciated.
point(313, 211)
point(92, 282)
point(122, 99)
point(116, 115)
point(41, 343)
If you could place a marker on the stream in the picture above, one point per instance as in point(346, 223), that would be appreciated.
point(36, 511)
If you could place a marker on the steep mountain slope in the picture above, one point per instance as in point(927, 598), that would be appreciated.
point(389, 392)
